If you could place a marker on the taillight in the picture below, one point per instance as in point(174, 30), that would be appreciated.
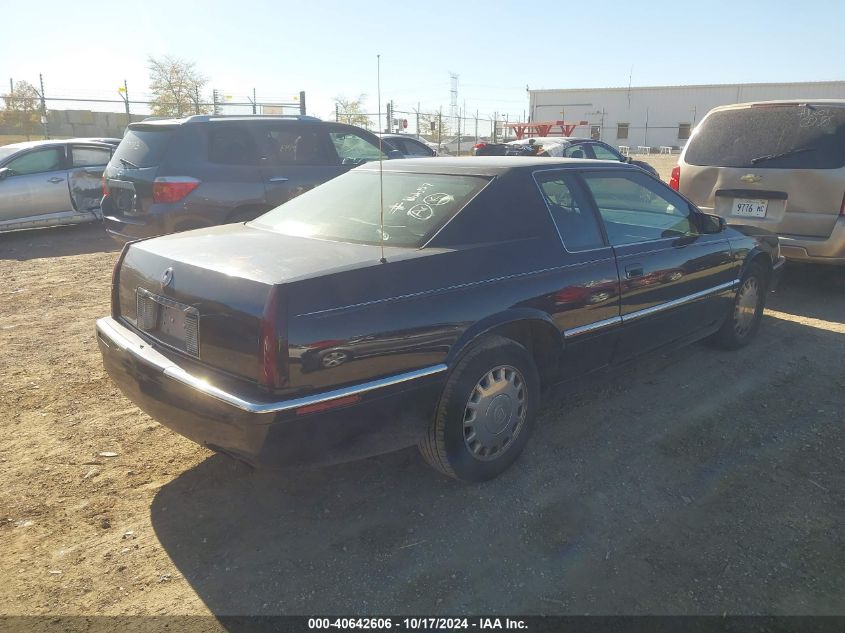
point(173, 188)
point(479, 145)
point(675, 180)
point(269, 340)
point(105, 186)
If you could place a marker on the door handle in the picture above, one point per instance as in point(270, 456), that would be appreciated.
point(56, 179)
point(279, 179)
point(633, 270)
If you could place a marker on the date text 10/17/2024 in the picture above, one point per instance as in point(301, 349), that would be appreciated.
point(414, 624)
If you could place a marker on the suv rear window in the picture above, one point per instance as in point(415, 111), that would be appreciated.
point(143, 147)
point(775, 136)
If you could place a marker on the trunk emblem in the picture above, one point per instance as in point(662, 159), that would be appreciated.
point(166, 278)
point(751, 178)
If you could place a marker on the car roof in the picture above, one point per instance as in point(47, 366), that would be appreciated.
point(748, 104)
point(56, 141)
point(487, 165)
point(212, 118)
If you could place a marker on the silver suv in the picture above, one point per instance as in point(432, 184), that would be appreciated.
point(778, 165)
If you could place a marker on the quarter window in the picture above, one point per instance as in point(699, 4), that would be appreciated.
point(637, 208)
point(622, 130)
point(37, 161)
point(684, 130)
point(575, 221)
point(295, 145)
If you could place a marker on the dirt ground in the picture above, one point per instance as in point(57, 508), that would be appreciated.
point(695, 481)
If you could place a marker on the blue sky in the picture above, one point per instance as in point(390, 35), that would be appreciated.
point(496, 47)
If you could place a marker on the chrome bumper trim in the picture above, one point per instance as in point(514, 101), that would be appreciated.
point(115, 335)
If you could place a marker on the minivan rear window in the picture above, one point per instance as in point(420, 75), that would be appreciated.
point(143, 147)
point(788, 136)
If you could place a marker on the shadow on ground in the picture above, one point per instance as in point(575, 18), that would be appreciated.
point(59, 241)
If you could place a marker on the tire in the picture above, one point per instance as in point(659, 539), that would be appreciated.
point(743, 321)
point(486, 412)
point(334, 358)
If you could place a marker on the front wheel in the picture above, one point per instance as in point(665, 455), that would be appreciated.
point(742, 323)
point(486, 412)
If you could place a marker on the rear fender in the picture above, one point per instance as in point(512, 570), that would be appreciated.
point(532, 328)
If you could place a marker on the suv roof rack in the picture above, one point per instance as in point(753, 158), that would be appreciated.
point(205, 118)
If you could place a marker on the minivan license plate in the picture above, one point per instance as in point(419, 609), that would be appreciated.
point(750, 208)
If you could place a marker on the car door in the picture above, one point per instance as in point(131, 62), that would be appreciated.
point(586, 308)
point(675, 280)
point(87, 163)
point(35, 185)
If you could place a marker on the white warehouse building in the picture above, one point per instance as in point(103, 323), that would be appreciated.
point(657, 116)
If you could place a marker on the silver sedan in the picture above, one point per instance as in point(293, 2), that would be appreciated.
point(45, 183)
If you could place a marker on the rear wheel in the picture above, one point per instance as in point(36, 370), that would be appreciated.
point(744, 319)
point(486, 412)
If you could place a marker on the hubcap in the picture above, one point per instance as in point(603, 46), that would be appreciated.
point(495, 412)
point(333, 359)
point(745, 310)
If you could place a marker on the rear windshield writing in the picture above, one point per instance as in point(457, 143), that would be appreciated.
point(784, 137)
point(348, 208)
point(142, 148)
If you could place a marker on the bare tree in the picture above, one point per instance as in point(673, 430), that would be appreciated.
point(22, 107)
point(352, 111)
point(176, 86)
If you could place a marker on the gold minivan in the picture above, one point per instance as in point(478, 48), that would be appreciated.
point(777, 165)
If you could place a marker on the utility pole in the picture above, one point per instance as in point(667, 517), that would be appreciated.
point(214, 101)
point(126, 101)
point(44, 108)
point(254, 105)
point(418, 119)
point(302, 102)
point(439, 128)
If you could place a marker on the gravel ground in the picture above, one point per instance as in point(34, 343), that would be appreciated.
point(693, 481)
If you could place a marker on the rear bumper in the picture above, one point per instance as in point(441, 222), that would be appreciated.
point(386, 414)
point(817, 250)
point(126, 229)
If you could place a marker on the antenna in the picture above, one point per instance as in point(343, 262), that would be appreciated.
point(380, 163)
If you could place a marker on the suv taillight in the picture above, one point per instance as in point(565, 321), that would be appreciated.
point(479, 145)
point(675, 180)
point(105, 186)
point(173, 188)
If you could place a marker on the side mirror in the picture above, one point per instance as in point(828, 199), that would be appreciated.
point(5, 172)
point(711, 224)
point(628, 160)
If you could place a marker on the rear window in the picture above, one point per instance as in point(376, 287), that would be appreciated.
point(774, 136)
point(143, 147)
point(347, 209)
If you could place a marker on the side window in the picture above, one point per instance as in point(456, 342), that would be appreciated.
point(603, 153)
point(571, 212)
point(88, 156)
point(295, 145)
point(577, 151)
point(41, 160)
point(231, 144)
point(415, 148)
point(637, 208)
point(352, 148)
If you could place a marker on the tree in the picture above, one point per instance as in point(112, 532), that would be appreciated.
point(176, 86)
point(22, 108)
point(352, 111)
